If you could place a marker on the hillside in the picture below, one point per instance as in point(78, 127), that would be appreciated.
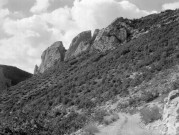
point(10, 76)
point(140, 68)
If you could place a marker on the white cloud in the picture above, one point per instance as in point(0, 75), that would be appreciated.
point(90, 14)
point(30, 36)
point(173, 5)
point(4, 13)
point(3, 2)
point(40, 6)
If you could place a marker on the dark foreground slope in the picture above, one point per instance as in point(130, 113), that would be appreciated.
point(61, 100)
point(10, 76)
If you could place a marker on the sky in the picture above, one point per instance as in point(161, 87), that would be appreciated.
point(28, 27)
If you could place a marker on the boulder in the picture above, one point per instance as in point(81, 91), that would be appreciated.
point(79, 44)
point(169, 124)
point(36, 69)
point(113, 36)
point(171, 113)
point(51, 56)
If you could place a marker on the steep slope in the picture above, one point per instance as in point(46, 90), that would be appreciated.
point(68, 95)
point(10, 76)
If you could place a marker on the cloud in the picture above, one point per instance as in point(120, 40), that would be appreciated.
point(99, 13)
point(29, 36)
point(4, 13)
point(40, 6)
point(3, 2)
point(173, 5)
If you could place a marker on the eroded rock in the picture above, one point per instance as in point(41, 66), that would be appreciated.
point(171, 113)
point(79, 44)
point(51, 56)
point(113, 36)
point(169, 125)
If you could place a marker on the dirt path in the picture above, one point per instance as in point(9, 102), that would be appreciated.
point(126, 125)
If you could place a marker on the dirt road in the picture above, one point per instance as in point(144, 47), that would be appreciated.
point(126, 125)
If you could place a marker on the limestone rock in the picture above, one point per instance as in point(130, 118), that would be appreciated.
point(51, 56)
point(171, 113)
point(169, 125)
point(79, 44)
point(113, 36)
point(36, 69)
point(95, 34)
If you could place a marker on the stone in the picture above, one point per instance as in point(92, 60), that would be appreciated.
point(112, 36)
point(169, 124)
point(53, 54)
point(79, 44)
point(171, 113)
point(36, 69)
point(95, 34)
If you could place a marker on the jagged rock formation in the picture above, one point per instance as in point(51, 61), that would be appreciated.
point(113, 36)
point(95, 34)
point(79, 44)
point(10, 76)
point(171, 114)
point(51, 56)
point(169, 124)
point(36, 69)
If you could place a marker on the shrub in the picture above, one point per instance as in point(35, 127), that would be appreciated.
point(99, 115)
point(175, 85)
point(91, 129)
point(149, 115)
point(110, 119)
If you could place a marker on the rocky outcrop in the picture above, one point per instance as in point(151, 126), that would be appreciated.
point(171, 113)
point(95, 34)
point(51, 56)
point(36, 69)
point(113, 36)
point(169, 124)
point(79, 44)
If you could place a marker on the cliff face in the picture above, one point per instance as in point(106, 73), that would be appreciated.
point(112, 36)
point(51, 56)
point(79, 44)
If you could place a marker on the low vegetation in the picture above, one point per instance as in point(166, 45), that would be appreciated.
point(150, 114)
point(89, 80)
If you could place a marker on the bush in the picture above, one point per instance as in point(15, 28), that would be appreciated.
point(99, 115)
point(149, 115)
point(91, 129)
point(175, 85)
point(110, 119)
